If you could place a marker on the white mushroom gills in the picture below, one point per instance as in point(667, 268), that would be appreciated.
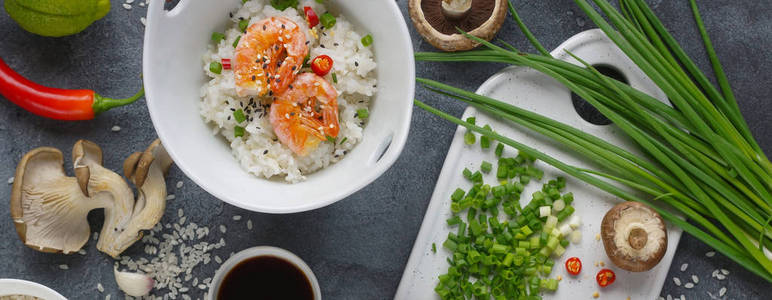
point(133, 284)
point(456, 9)
point(638, 234)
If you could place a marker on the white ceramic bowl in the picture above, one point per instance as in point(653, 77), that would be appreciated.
point(264, 251)
point(174, 44)
point(22, 287)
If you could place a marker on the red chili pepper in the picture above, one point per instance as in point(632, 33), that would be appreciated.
point(321, 65)
point(311, 16)
point(605, 277)
point(573, 266)
point(54, 103)
point(226, 63)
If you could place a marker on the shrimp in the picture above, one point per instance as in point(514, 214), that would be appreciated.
point(268, 57)
point(306, 113)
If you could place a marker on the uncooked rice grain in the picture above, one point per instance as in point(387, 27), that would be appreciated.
point(684, 266)
point(695, 278)
point(677, 281)
point(722, 292)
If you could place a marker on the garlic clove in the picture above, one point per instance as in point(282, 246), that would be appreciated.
point(134, 284)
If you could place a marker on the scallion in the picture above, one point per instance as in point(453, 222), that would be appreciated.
point(215, 67)
point(367, 40)
point(327, 20)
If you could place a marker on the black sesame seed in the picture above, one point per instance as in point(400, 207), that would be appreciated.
point(230, 14)
point(322, 45)
point(335, 44)
point(229, 118)
point(292, 114)
point(290, 86)
point(265, 66)
point(278, 80)
point(242, 104)
point(233, 109)
point(276, 47)
point(270, 93)
point(253, 77)
point(265, 152)
point(263, 26)
point(308, 42)
point(241, 19)
point(356, 64)
point(294, 67)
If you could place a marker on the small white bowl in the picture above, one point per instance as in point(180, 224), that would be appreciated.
point(175, 42)
point(28, 288)
point(263, 251)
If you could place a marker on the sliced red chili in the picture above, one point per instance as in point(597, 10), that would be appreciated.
point(226, 63)
point(605, 277)
point(321, 65)
point(311, 16)
point(573, 266)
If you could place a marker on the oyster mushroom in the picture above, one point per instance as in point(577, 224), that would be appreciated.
point(437, 21)
point(49, 208)
point(146, 170)
point(634, 236)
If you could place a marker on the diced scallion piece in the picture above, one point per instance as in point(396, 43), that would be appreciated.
point(499, 149)
point(238, 131)
point(363, 113)
point(243, 25)
point(239, 116)
point(327, 20)
point(236, 41)
point(367, 40)
point(469, 138)
point(486, 167)
point(215, 67)
point(334, 77)
point(217, 37)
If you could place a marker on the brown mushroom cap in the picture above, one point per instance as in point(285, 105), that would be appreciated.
point(634, 236)
point(438, 27)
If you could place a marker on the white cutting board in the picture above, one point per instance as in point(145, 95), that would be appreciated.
point(534, 91)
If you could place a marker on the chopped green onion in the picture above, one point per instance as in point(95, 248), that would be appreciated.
point(367, 40)
point(215, 67)
point(238, 131)
point(243, 25)
point(363, 113)
point(327, 20)
point(486, 167)
point(345, 138)
point(236, 41)
point(469, 138)
point(334, 78)
point(331, 139)
point(434, 246)
point(485, 142)
point(238, 115)
point(499, 149)
point(217, 37)
point(283, 4)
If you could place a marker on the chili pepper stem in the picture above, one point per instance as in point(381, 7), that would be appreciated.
point(102, 104)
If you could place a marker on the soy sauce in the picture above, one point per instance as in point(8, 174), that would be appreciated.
point(265, 277)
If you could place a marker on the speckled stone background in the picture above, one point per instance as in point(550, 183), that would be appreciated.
point(359, 246)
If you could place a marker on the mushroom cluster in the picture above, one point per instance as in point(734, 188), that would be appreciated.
point(49, 208)
point(438, 21)
point(634, 236)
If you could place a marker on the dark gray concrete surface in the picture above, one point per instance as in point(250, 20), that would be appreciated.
point(359, 246)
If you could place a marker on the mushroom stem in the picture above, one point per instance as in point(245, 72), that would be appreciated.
point(456, 9)
point(637, 238)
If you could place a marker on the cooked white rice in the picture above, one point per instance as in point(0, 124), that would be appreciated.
point(258, 151)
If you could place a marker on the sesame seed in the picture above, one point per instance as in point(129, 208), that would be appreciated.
point(689, 285)
point(695, 279)
point(725, 271)
point(170, 197)
point(64, 267)
point(127, 6)
point(677, 281)
point(10, 180)
point(684, 266)
point(722, 292)
point(223, 229)
point(116, 128)
point(710, 254)
point(249, 224)
point(179, 184)
point(100, 288)
point(236, 217)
